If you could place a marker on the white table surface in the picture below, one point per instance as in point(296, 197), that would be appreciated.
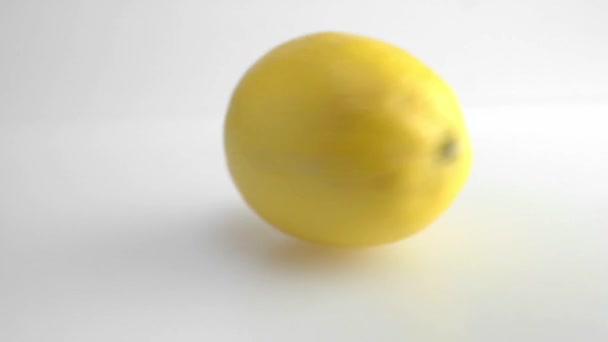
point(131, 230)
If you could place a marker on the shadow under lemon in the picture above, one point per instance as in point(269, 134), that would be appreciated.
point(242, 234)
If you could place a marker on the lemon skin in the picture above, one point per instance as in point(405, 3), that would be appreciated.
point(346, 140)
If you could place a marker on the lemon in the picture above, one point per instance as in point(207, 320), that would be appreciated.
point(344, 139)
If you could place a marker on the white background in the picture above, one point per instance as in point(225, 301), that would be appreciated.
point(118, 221)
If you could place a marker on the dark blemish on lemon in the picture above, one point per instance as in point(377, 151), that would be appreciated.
point(449, 149)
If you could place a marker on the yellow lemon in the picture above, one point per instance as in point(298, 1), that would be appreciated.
point(346, 140)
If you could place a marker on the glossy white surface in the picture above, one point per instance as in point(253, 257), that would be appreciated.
point(130, 230)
